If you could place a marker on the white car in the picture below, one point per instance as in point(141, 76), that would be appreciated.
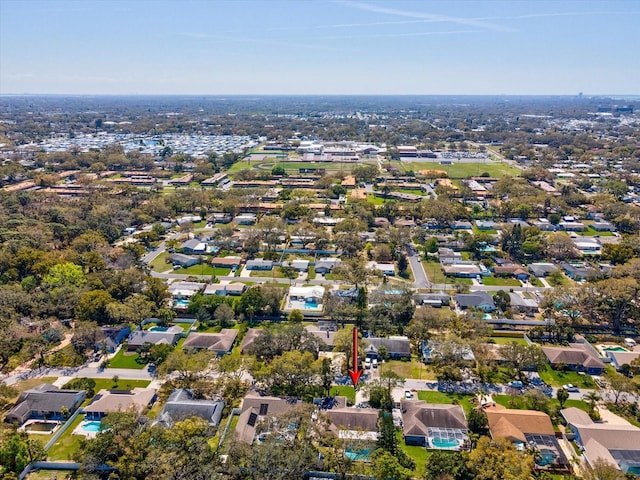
point(408, 395)
point(570, 388)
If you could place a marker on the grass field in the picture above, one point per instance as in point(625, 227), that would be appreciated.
point(292, 166)
point(373, 200)
point(508, 340)
point(412, 369)
point(204, 269)
point(464, 170)
point(501, 282)
point(32, 382)
point(434, 272)
point(125, 359)
point(430, 396)
point(159, 264)
point(344, 391)
point(520, 402)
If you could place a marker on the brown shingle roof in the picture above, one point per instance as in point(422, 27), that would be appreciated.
point(418, 416)
point(526, 421)
point(365, 419)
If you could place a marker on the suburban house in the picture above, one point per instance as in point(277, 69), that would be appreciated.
point(616, 444)
point(235, 289)
point(182, 404)
point(324, 331)
point(181, 292)
point(226, 262)
point(511, 270)
point(527, 428)
point(621, 358)
point(437, 426)
point(249, 338)
point(326, 265)
point(108, 401)
point(246, 219)
point(521, 304)
point(577, 272)
point(387, 269)
point(542, 269)
point(112, 337)
point(462, 269)
point(397, 347)
point(194, 245)
point(479, 300)
point(354, 423)
point(298, 265)
point(257, 409)
point(435, 300)
point(45, 401)
point(220, 343)
point(432, 350)
point(577, 356)
point(183, 260)
point(259, 264)
point(139, 337)
point(309, 300)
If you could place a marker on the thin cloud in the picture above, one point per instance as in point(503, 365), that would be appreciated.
point(391, 35)
point(431, 17)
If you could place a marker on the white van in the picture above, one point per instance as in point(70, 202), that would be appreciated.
point(375, 363)
point(630, 342)
point(367, 363)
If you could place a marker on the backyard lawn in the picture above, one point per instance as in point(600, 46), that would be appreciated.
point(67, 444)
point(418, 454)
point(344, 391)
point(557, 379)
point(124, 359)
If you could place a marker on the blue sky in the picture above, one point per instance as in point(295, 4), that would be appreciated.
point(319, 47)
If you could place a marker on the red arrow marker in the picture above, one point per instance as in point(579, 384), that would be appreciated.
point(357, 371)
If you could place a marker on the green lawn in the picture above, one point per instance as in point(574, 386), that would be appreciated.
point(373, 200)
point(67, 444)
point(501, 282)
point(557, 379)
point(204, 269)
point(311, 275)
point(412, 369)
point(508, 340)
point(464, 170)
point(32, 382)
point(125, 359)
point(107, 384)
point(344, 391)
point(159, 264)
point(520, 402)
point(414, 191)
point(430, 396)
point(590, 232)
point(536, 282)
point(434, 272)
point(418, 454)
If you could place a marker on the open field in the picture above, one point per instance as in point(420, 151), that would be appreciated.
point(204, 269)
point(434, 272)
point(508, 340)
point(501, 282)
point(412, 369)
point(291, 167)
point(464, 170)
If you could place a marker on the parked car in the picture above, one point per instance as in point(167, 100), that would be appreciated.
point(374, 363)
point(516, 384)
point(569, 387)
point(408, 395)
point(367, 363)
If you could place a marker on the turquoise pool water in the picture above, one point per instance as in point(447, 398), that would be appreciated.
point(92, 426)
point(444, 442)
point(614, 349)
point(158, 329)
point(359, 455)
point(181, 303)
point(547, 457)
point(310, 305)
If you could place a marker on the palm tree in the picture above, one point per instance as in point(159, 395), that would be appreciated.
point(592, 398)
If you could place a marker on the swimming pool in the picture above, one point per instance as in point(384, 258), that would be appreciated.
point(88, 428)
point(310, 305)
point(546, 457)
point(40, 426)
point(439, 442)
point(182, 303)
point(363, 455)
point(614, 349)
point(158, 329)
